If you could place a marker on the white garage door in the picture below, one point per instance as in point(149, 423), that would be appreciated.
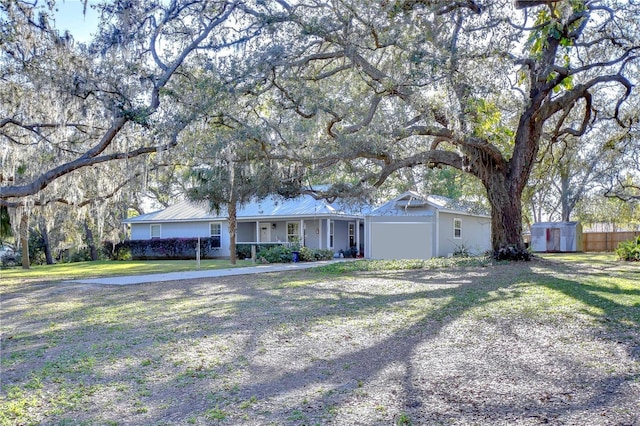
point(396, 240)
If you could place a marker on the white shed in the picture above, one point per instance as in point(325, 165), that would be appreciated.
point(556, 237)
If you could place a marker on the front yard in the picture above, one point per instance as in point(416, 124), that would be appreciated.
point(555, 340)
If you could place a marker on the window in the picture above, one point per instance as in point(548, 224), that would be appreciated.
point(352, 235)
point(457, 228)
point(215, 231)
point(155, 231)
point(293, 232)
point(331, 226)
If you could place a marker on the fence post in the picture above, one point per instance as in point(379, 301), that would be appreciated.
point(198, 254)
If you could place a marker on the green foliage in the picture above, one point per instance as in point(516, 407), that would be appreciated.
point(215, 414)
point(5, 223)
point(512, 252)
point(403, 420)
point(548, 25)
point(312, 255)
point(36, 249)
point(276, 254)
point(106, 268)
point(400, 265)
point(116, 252)
point(489, 123)
point(79, 255)
point(243, 251)
point(461, 251)
point(629, 250)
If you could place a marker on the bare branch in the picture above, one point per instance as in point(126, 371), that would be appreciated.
point(581, 91)
point(375, 101)
point(431, 157)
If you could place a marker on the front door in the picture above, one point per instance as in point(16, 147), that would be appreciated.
point(265, 232)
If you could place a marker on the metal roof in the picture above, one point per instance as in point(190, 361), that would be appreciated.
point(273, 207)
point(413, 204)
point(554, 224)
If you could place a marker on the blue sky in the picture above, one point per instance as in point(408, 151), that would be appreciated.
point(68, 15)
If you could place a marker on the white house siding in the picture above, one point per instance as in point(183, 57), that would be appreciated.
point(475, 236)
point(408, 237)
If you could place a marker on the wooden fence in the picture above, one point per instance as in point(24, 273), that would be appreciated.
point(605, 241)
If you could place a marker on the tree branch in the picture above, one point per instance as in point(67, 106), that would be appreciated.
point(16, 191)
point(431, 157)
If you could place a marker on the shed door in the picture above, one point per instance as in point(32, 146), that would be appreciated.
point(393, 240)
point(553, 239)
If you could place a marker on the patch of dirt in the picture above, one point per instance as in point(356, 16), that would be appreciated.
point(469, 346)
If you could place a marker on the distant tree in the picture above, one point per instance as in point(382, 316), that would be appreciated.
point(623, 180)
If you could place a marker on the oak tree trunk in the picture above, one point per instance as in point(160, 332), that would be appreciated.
point(232, 207)
point(93, 252)
point(506, 218)
point(45, 242)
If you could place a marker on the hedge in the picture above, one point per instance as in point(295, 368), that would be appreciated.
point(166, 248)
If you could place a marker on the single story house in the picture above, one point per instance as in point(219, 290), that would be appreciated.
point(408, 227)
point(412, 226)
point(313, 223)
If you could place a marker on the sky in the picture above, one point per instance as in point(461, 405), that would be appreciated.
point(69, 16)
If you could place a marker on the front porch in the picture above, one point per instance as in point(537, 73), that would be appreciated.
point(315, 233)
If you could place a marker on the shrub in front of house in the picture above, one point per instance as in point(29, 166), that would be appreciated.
point(629, 250)
point(275, 254)
point(243, 251)
point(313, 255)
point(279, 253)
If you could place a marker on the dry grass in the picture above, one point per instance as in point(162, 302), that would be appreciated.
point(527, 343)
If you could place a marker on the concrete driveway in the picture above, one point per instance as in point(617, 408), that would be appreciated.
point(190, 275)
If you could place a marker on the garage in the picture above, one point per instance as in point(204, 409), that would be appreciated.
point(409, 239)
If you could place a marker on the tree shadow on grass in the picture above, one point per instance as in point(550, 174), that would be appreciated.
point(122, 321)
point(436, 347)
point(551, 398)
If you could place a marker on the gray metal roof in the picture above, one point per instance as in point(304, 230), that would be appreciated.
point(413, 204)
point(273, 207)
point(554, 224)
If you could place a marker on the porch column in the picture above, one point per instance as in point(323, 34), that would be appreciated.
point(301, 231)
point(357, 230)
point(319, 234)
point(329, 233)
point(257, 230)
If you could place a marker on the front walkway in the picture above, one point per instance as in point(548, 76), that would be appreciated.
point(212, 273)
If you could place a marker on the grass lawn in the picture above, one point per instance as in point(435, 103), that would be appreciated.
point(107, 268)
point(555, 340)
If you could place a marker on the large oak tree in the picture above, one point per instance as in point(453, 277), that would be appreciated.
point(474, 85)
